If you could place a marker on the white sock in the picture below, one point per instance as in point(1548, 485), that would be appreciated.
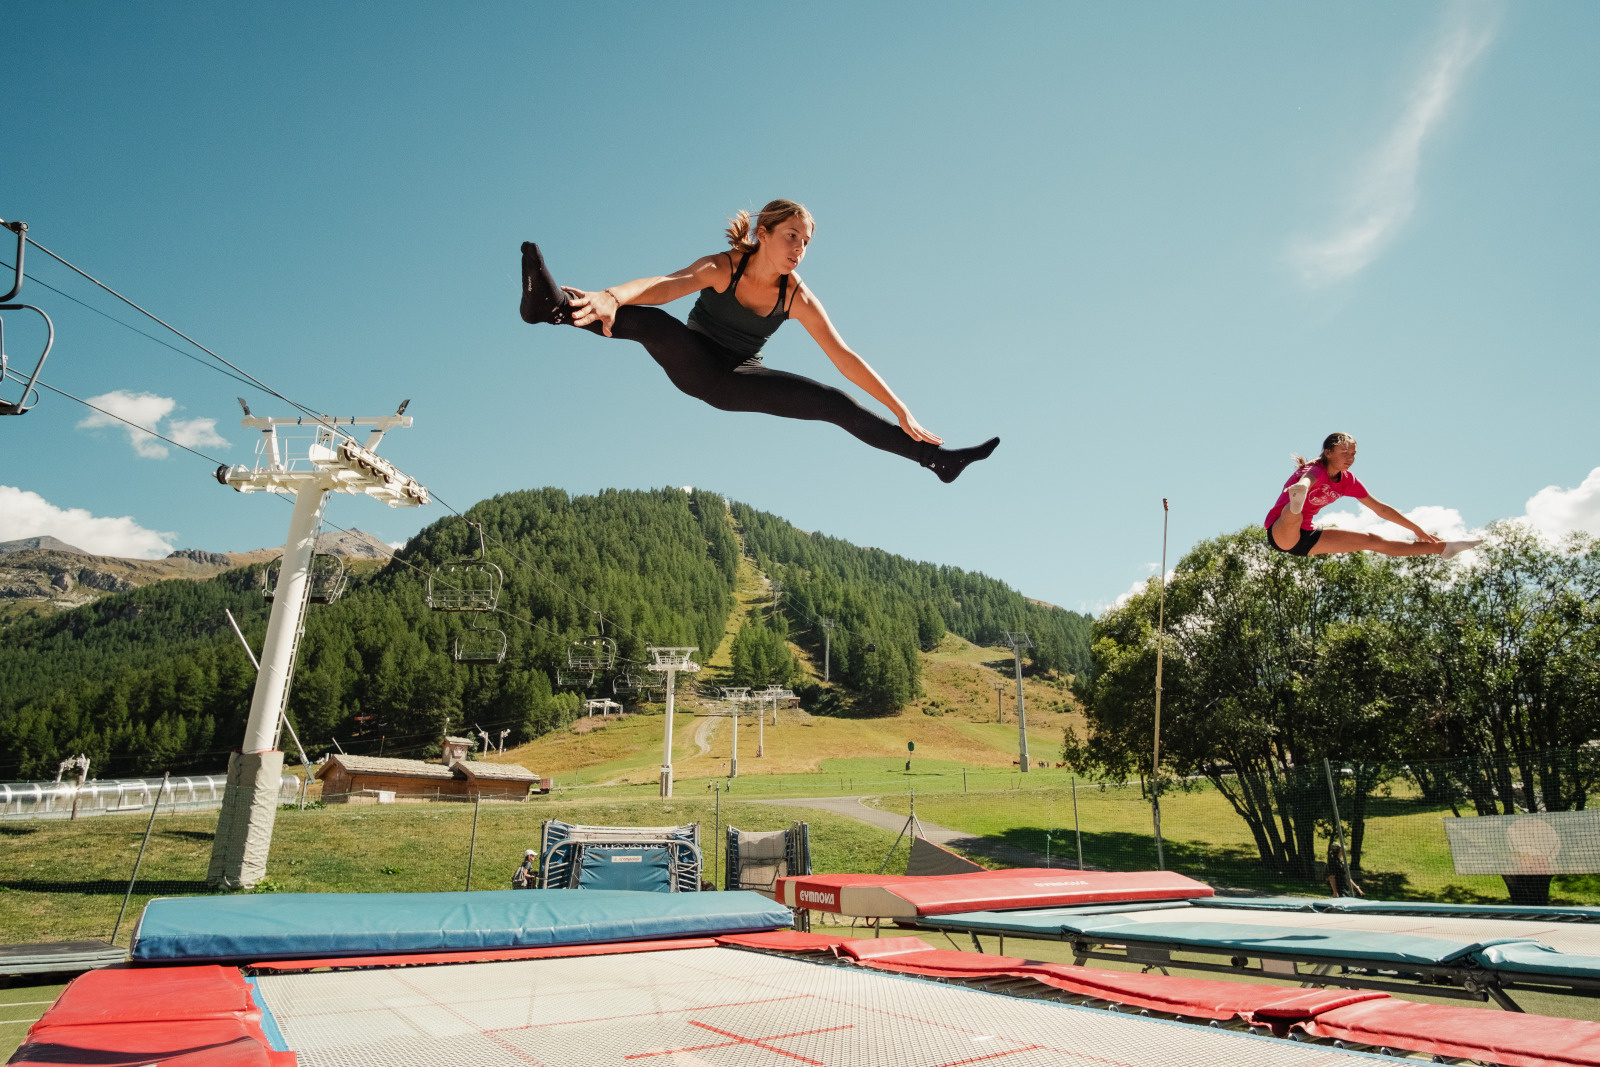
point(1453, 549)
point(1297, 497)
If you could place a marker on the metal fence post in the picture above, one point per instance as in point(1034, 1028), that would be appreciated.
point(477, 802)
point(1075, 831)
point(1338, 827)
point(134, 877)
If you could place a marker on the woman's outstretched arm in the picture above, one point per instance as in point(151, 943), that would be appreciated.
point(662, 289)
point(1384, 511)
point(808, 311)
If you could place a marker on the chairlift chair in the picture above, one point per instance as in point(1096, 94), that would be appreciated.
point(29, 383)
point(627, 683)
point(570, 679)
point(469, 584)
point(479, 645)
point(594, 653)
point(325, 581)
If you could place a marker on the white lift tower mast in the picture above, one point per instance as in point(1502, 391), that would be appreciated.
point(306, 458)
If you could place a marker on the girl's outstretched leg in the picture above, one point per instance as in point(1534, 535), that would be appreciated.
point(1334, 541)
point(792, 396)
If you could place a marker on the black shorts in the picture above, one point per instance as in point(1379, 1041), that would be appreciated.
point(1301, 547)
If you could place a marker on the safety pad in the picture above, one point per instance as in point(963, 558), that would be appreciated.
point(324, 925)
point(1194, 998)
point(127, 994)
point(1357, 946)
point(1509, 1038)
point(903, 897)
point(1528, 959)
point(182, 1043)
point(488, 955)
point(1357, 905)
point(782, 941)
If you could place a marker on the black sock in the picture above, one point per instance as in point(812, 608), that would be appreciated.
point(542, 299)
point(948, 463)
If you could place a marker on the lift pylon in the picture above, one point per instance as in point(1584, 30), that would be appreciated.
point(307, 458)
point(668, 662)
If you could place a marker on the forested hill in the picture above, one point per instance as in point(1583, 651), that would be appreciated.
point(153, 679)
point(885, 607)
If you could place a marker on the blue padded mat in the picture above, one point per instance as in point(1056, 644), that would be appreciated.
point(306, 925)
point(1547, 913)
point(1248, 940)
point(1529, 958)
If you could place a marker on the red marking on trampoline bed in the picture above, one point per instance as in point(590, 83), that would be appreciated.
point(990, 1056)
point(482, 956)
point(738, 1039)
point(651, 1014)
point(492, 1036)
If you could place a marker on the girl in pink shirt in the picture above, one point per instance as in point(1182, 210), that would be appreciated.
point(1317, 483)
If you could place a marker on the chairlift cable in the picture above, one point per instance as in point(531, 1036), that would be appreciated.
point(142, 429)
point(241, 379)
point(317, 417)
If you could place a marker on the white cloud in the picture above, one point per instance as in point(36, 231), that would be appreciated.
point(1556, 512)
point(196, 433)
point(1384, 192)
point(145, 412)
point(27, 514)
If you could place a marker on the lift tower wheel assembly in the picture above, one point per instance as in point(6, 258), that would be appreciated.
point(306, 458)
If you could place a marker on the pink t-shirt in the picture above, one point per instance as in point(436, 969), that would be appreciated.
point(1324, 491)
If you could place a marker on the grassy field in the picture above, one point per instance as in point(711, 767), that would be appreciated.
point(1405, 853)
point(66, 880)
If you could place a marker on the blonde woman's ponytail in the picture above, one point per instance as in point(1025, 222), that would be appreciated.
point(739, 233)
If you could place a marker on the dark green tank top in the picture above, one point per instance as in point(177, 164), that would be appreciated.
point(721, 317)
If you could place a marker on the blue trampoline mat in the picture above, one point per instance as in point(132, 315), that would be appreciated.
point(1362, 946)
point(1546, 913)
point(290, 925)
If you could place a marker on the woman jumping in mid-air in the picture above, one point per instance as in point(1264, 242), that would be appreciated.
point(745, 295)
point(1317, 483)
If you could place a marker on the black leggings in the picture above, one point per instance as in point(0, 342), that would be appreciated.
point(722, 378)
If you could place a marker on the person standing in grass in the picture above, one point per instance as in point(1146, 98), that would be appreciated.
point(1319, 482)
point(527, 874)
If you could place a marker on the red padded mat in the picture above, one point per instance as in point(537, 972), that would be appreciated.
point(944, 894)
point(1473, 1033)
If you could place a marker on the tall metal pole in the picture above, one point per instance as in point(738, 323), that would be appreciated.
point(1019, 641)
point(666, 738)
point(827, 648)
point(999, 701)
point(761, 731)
point(733, 761)
point(1155, 756)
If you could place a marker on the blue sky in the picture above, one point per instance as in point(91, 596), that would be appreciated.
point(1154, 247)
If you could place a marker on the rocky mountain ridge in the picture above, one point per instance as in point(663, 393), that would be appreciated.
point(42, 575)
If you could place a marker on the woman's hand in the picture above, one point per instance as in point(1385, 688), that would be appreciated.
point(598, 307)
point(914, 428)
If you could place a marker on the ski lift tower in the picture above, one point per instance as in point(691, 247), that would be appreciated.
point(306, 458)
point(735, 696)
point(1019, 641)
point(669, 661)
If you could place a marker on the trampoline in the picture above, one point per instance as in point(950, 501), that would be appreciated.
point(1146, 917)
point(521, 978)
